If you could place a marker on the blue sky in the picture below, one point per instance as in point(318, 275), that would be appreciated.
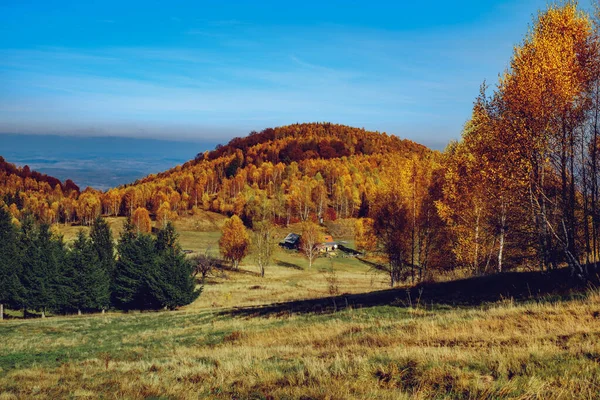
point(208, 70)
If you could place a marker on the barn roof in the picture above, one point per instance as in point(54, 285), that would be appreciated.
point(291, 238)
point(328, 239)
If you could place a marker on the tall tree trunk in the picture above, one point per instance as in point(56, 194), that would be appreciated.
point(594, 176)
point(564, 196)
point(424, 246)
point(476, 255)
point(538, 209)
point(1, 311)
point(572, 228)
point(414, 223)
point(586, 215)
point(502, 233)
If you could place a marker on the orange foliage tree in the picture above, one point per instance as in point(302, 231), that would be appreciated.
point(88, 207)
point(364, 235)
point(164, 215)
point(141, 220)
point(311, 239)
point(234, 243)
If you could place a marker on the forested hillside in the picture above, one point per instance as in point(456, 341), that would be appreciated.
point(46, 197)
point(292, 173)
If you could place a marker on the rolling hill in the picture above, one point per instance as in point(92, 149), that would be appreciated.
point(295, 172)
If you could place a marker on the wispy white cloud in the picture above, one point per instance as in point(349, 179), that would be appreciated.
point(205, 33)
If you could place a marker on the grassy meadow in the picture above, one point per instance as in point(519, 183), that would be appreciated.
point(233, 343)
point(288, 278)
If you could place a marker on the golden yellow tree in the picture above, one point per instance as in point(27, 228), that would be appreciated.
point(234, 243)
point(543, 98)
point(164, 215)
point(465, 208)
point(364, 235)
point(88, 207)
point(263, 244)
point(141, 220)
point(311, 239)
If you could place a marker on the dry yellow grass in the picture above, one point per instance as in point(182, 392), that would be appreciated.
point(69, 232)
point(533, 350)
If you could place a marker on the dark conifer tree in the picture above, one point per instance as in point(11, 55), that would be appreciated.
point(102, 242)
point(62, 278)
point(44, 275)
point(57, 271)
point(136, 260)
point(34, 277)
point(363, 211)
point(29, 260)
point(167, 238)
point(90, 283)
point(11, 290)
point(171, 281)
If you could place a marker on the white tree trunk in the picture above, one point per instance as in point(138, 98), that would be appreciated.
point(502, 229)
point(476, 255)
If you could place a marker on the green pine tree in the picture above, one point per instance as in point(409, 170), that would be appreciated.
point(135, 262)
point(45, 273)
point(102, 242)
point(29, 261)
point(11, 290)
point(171, 281)
point(90, 284)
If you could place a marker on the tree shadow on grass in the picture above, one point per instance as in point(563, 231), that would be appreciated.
point(221, 268)
point(372, 264)
point(286, 264)
point(518, 286)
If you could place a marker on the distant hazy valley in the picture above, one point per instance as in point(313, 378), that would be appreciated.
point(101, 163)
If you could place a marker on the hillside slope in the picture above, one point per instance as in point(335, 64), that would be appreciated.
point(313, 171)
point(291, 173)
point(25, 189)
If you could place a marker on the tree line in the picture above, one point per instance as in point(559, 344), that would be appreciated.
point(522, 186)
point(38, 272)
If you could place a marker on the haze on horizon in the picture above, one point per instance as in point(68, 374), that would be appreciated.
point(205, 71)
